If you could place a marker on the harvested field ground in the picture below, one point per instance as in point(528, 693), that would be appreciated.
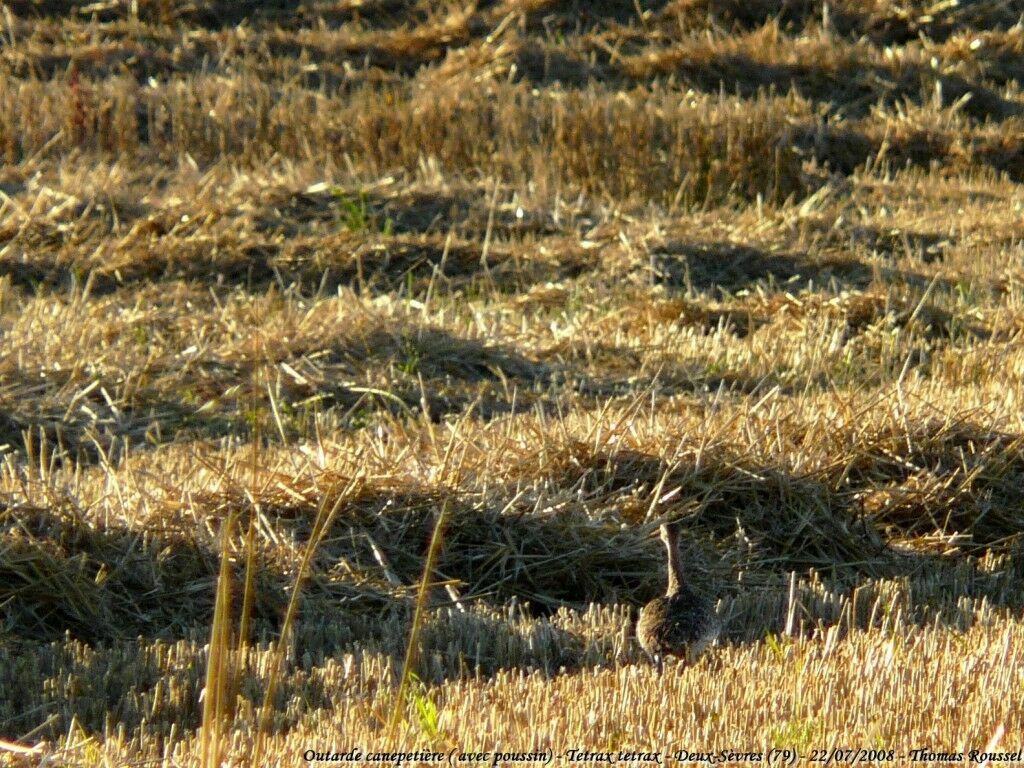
point(334, 328)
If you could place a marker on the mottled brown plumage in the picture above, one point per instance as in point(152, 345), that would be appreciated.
point(682, 623)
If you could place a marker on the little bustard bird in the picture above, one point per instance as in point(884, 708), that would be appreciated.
point(681, 623)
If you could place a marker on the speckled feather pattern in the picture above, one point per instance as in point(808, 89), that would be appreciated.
point(681, 624)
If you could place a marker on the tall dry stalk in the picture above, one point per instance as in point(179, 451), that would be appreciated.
point(412, 649)
point(219, 662)
point(324, 519)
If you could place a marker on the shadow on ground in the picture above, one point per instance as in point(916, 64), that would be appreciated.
point(813, 552)
point(742, 516)
point(852, 89)
point(418, 368)
point(728, 267)
point(312, 240)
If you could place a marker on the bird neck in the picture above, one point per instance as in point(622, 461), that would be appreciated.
point(675, 567)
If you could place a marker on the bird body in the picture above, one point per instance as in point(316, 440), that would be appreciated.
point(681, 623)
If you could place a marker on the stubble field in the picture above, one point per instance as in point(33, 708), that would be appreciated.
point(318, 316)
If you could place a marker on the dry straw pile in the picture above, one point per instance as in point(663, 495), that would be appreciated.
point(353, 351)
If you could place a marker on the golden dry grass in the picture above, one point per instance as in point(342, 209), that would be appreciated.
point(281, 282)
